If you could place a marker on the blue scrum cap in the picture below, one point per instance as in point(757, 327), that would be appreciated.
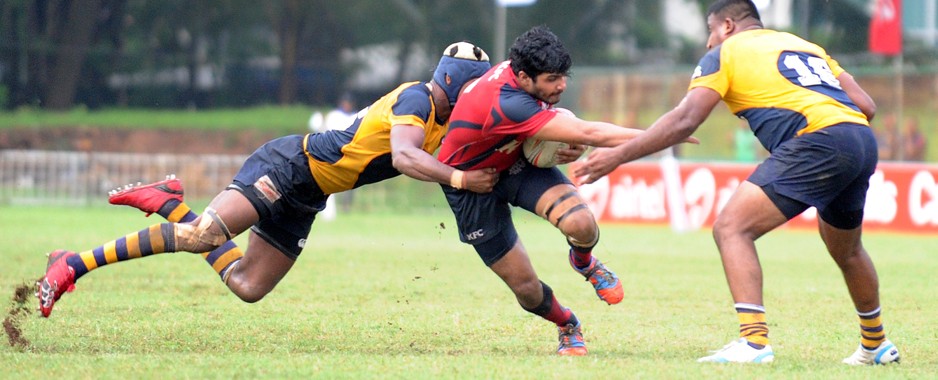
point(462, 61)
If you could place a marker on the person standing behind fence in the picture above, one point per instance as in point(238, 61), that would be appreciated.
point(746, 146)
point(340, 117)
point(913, 141)
point(887, 138)
point(813, 118)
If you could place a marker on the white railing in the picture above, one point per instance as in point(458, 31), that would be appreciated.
point(80, 178)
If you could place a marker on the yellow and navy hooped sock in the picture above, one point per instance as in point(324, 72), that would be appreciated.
point(222, 258)
point(177, 212)
point(752, 325)
point(871, 329)
point(158, 238)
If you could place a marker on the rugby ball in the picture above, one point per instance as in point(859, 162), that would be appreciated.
point(542, 153)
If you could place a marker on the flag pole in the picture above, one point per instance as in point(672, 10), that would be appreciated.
point(900, 105)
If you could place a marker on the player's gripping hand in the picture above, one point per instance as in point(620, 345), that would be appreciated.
point(481, 180)
point(570, 154)
point(600, 162)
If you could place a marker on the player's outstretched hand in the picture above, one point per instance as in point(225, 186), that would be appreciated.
point(570, 154)
point(601, 161)
point(481, 180)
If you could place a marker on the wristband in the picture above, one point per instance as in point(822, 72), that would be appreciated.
point(456, 179)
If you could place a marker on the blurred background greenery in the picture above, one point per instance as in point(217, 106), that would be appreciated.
point(224, 76)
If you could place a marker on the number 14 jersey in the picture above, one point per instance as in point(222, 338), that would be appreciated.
point(781, 84)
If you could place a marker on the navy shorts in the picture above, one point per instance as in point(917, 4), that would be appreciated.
point(829, 169)
point(484, 220)
point(277, 181)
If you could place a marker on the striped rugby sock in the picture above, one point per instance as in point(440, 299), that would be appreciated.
point(177, 212)
point(871, 329)
point(752, 325)
point(158, 238)
point(222, 258)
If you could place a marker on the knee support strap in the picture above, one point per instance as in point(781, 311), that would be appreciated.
point(585, 245)
point(565, 213)
point(190, 237)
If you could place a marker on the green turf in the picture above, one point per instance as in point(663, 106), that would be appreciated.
point(385, 296)
point(715, 133)
point(281, 119)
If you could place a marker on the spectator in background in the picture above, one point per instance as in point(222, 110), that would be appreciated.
point(913, 141)
point(745, 144)
point(887, 139)
point(341, 117)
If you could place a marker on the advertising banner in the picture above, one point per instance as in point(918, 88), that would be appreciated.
point(903, 197)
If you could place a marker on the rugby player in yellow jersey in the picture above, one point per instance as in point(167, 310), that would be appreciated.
point(283, 184)
point(813, 118)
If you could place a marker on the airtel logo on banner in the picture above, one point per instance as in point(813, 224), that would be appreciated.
point(881, 205)
point(630, 198)
point(639, 193)
point(923, 199)
point(922, 206)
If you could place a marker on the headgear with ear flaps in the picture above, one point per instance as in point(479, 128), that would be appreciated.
point(462, 61)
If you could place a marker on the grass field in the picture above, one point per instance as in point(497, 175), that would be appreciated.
point(714, 134)
point(396, 296)
point(282, 119)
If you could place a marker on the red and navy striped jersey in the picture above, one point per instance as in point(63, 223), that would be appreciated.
point(492, 118)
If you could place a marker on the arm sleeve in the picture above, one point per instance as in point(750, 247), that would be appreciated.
point(708, 73)
point(834, 65)
point(523, 114)
point(411, 108)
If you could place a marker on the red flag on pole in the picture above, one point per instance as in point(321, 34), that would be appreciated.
point(886, 27)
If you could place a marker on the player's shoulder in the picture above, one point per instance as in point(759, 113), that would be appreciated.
point(413, 90)
point(767, 39)
point(412, 99)
point(709, 63)
point(802, 44)
point(482, 95)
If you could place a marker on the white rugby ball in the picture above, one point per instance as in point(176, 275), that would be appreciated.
point(542, 153)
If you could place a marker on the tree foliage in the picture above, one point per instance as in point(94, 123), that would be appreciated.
point(175, 53)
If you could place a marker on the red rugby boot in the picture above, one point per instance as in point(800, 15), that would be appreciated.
point(59, 278)
point(148, 198)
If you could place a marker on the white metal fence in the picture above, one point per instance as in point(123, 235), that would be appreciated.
point(80, 178)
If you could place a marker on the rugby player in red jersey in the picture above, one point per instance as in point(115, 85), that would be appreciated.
point(514, 101)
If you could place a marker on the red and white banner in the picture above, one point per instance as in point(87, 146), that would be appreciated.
point(903, 197)
point(886, 27)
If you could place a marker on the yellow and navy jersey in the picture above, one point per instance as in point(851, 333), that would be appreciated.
point(341, 160)
point(781, 84)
